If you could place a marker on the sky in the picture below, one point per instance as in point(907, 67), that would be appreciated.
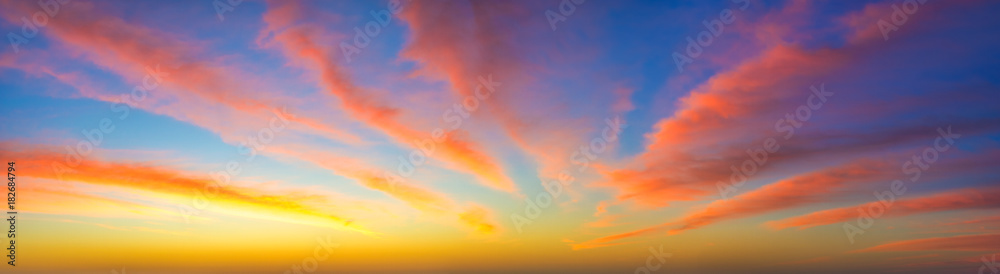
point(571, 136)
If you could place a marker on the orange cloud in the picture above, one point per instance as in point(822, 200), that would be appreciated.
point(609, 240)
point(983, 242)
point(811, 188)
point(801, 190)
point(42, 162)
point(978, 221)
point(478, 218)
point(734, 110)
point(421, 199)
point(606, 221)
point(953, 200)
point(691, 151)
point(50, 197)
point(299, 41)
point(865, 23)
point(134, 51)
point(472, 41)
point(688, 153)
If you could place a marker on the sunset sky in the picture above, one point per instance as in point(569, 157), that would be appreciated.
point(553, 136)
